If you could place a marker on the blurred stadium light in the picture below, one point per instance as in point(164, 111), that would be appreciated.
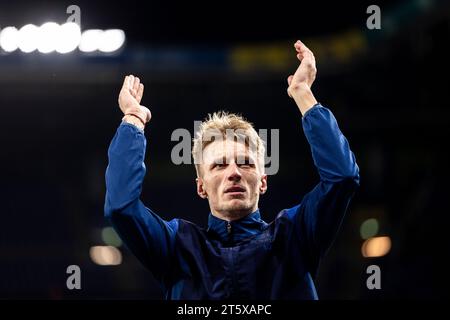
point(105, 255)
point(9, 39)
point(110, 237)
point(51, 37)
point(369, 228)
point(376, 247)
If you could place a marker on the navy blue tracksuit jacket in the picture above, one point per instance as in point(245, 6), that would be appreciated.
point(243, 259)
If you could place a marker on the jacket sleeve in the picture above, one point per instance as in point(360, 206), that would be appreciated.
point(318, 217)
point(149, 237)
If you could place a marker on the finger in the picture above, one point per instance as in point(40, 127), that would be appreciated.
point(125, 83)
point(140, 93)
point(136, 84)
point(132, 90)
point(289, 79)
point(308, 58)
point(298, 46)
point(305, 49)
point(308, 55)
point(130, 82)
point(289, 94)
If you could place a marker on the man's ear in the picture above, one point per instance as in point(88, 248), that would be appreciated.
point(263, 187)
point(200, 188)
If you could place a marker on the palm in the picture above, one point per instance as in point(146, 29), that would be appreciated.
point(306, 71)
point(301, 74)
point(131, 93)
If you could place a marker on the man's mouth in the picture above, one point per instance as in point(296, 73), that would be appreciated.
point(234, 190)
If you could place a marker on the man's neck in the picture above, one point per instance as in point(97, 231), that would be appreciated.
point(232, 215)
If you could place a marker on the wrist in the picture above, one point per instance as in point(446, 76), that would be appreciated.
point(138, 115)
point(303, 96)
point(134, 120)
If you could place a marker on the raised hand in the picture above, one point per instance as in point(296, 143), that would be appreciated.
point(306, 71)
point(130, 97)
point(131, 93)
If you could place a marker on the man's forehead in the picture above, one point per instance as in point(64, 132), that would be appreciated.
point(226, 148)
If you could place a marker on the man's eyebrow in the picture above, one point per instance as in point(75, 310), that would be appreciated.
point(245, 158)
point(240, 159)
point(219, 160)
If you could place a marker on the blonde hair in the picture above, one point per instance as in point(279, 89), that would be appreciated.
point(220, 125)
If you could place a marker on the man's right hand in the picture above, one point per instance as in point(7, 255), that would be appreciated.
point(131, 93)
point(130, 97)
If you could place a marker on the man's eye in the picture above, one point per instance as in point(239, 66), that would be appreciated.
point(247, 164)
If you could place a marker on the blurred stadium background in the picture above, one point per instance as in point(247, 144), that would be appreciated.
point(387, 88)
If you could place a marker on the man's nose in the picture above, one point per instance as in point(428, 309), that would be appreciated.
point(234, 174)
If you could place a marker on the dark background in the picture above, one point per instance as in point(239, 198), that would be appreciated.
point(387, 88)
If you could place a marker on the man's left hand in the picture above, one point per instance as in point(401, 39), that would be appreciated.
point(306, 71)
point(301, 81)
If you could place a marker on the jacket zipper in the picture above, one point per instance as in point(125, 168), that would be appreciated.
point(228, 227)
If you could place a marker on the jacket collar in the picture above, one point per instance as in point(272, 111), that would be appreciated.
point(233, 231)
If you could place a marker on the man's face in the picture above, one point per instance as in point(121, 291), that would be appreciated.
point(231, 179)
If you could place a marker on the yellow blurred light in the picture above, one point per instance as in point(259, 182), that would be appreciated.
point(105, 255)
point(271, 56)
point(376, 247)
